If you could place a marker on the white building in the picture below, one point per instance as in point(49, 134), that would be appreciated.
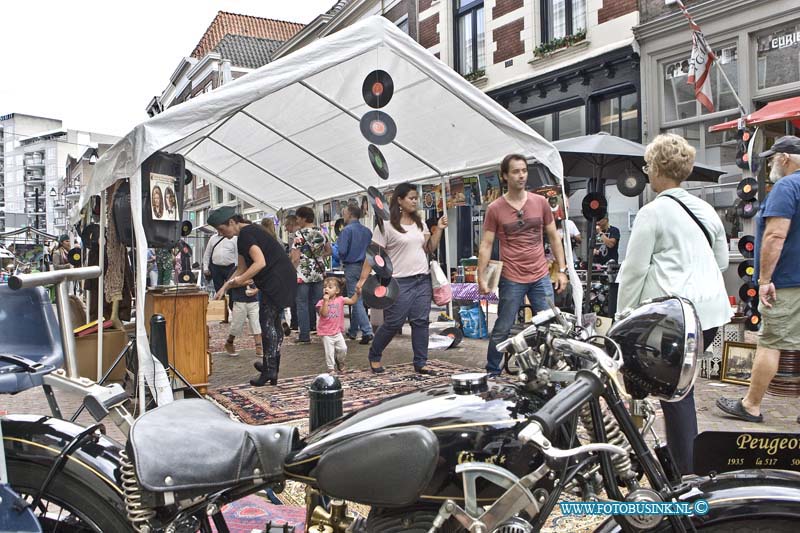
point(32, 169)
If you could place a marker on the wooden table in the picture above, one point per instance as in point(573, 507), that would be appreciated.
point(187, 336)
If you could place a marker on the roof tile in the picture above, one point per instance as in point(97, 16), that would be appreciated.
point(232, 23)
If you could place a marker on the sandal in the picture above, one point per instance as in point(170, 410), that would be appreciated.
point(735, 408)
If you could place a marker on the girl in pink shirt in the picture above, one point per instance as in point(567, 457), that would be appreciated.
point(331, 322)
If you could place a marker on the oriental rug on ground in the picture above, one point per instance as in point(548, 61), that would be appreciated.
point(289, 399)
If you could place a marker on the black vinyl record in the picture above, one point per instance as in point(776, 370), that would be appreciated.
point(747, 209)
point(752, 319)
point(377, 295)
point(378, 202)
point(747, 189)
point(748, 292)
point(74, 257)
point(378, 162)
point(187, 177)
point(747, 246)
point(631, 185)
point(746, 270)
point(338, 226)
point(187, 277)
point(377, 89)
point(379, 260)
point(378, 128)
point(454, 333)
point(594, 206)
point(186, 228)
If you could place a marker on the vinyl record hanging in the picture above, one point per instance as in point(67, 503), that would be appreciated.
point(748, 292)
point(186, 228)
point(747, 189)
point(378, 128)
point(747, 209)
point(187, 177)
point(594, 206)
point(752, 319)
point(378, 162)
point(747, 246)
point(378, 202)
point(379, 260)
point(74, 257)
point(631, 185)
point(187, 277)
point(746, 270)
point(379, 295)
point(377, 89)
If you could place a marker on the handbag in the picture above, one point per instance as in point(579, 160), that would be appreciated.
point(442, 291)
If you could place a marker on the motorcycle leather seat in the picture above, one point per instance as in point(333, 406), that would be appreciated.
point(192, 444)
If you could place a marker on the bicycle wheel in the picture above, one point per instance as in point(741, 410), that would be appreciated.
point(69, 505)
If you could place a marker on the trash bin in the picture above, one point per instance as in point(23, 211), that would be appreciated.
point(325, 397)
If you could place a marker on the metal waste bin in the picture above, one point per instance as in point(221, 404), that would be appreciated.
point(325, 397)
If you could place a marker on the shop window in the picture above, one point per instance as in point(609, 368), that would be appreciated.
point(562, 124)
point(716, 149)
point(470, 36)
point(679, 100)
point(778, 56)
point(219, 196)
point(619, 115)
point(561, 18)
point(403, 24)
point(572, 122)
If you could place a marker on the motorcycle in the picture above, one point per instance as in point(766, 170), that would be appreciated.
point(477, 455)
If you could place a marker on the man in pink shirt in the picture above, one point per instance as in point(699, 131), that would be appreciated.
point(519, 219)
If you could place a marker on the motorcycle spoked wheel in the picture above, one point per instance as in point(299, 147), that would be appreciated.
point(68, 505)
point(408, 520)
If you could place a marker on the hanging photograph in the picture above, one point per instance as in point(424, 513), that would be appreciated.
point(163, 202)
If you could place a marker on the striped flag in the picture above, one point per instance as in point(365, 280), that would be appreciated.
point(700, 64)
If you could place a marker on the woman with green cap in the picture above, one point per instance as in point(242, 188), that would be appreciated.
point(263, 260)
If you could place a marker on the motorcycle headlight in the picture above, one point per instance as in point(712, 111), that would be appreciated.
point(660, 342)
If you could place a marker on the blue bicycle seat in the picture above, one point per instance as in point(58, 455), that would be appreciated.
point(28, 330)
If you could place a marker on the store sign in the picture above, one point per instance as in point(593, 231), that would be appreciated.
point(785, 40)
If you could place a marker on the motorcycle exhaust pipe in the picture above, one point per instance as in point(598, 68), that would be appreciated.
point(325, 400)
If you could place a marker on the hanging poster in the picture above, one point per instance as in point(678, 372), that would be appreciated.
point(472, 191)
point(431, 197)
point(163, 202)
point(456, 195)
point(490, 187)
point(326, 212)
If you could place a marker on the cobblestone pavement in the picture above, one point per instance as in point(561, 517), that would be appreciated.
point(780, 414)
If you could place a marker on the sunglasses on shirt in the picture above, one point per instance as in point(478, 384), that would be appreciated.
point(520, 214)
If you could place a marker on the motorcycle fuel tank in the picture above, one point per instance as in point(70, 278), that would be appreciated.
point(479, 427)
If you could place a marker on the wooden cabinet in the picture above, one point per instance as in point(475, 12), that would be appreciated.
point(187, 335)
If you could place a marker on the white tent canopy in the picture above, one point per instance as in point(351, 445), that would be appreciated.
point(288, 133)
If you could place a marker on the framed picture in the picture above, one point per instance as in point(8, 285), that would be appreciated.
point(737, 362)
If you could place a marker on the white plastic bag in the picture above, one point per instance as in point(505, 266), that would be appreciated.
point(442, 291)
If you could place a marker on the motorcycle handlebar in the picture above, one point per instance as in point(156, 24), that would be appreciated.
point(557, 410)
point(52, 277)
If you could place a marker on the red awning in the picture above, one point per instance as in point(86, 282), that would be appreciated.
point(778, 111)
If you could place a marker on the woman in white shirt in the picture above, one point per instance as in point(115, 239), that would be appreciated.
point(408, 243)
point(669, 253)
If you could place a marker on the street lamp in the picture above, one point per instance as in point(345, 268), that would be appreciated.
point(53, 192)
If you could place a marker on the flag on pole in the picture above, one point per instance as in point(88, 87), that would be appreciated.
point(700, 64)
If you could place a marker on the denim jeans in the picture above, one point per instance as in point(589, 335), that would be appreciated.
point(512, 296)
point(358, 315)
point(308, 294)
point(413, 303)
point(680, 422)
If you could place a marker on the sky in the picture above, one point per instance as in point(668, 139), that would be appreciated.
point(95, 64)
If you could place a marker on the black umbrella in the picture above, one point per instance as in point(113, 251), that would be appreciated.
point(605, 156)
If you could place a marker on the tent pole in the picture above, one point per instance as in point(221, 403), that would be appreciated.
point(100, 284)
point(262, 169)
point(241, 193)
point(358, 119)
point(305, 150)
point(446, 242)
